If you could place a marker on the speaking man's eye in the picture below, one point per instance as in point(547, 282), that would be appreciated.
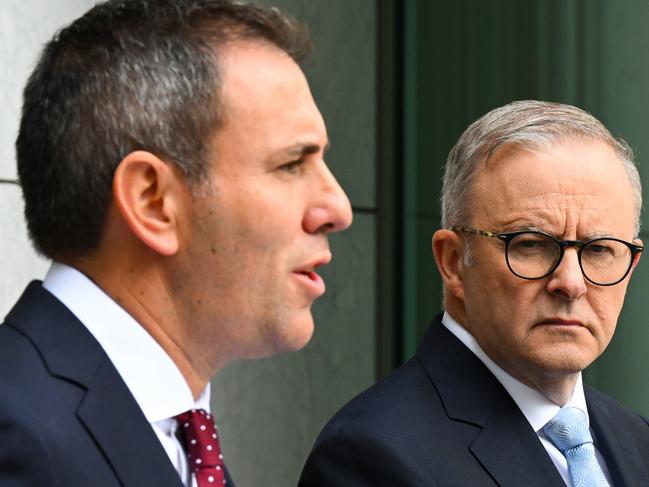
point(292, 167)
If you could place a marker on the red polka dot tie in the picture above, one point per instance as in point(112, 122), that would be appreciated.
point(201, 442)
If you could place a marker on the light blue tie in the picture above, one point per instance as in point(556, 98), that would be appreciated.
point(569, 432)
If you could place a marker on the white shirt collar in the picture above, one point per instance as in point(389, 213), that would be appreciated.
point(150, 374)
point(536, 407)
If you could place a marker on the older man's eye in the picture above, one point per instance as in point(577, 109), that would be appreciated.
point(530, 242)
point(598, 249)
point(605, 249)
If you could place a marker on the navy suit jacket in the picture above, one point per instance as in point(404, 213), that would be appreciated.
point(442, 419)
point(67, 418)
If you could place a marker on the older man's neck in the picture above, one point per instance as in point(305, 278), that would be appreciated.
point(558, 388)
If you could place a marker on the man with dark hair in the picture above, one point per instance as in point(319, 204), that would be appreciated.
point(171, 159)
point(540, 224)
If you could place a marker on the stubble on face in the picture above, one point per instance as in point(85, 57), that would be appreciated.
point(248, 233)
point(235, 285)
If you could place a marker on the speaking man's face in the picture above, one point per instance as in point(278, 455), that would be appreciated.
point(260, 231)
point(558, 324)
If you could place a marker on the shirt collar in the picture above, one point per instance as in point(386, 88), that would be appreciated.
point(536, 407)
point(150, 374)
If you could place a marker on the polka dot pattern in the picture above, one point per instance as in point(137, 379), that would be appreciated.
point(201, 442)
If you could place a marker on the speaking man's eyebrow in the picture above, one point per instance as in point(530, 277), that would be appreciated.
point(298, 150)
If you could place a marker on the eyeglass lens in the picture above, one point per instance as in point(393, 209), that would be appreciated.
point(533, 255)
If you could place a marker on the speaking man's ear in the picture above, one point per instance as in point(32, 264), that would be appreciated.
point(448, 250)
point(149, 195)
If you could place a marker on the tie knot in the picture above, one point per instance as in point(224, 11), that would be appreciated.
point(568, 429)
point(200, 438)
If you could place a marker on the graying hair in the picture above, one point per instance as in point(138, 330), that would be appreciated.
point(526, 124)
point(128, 75)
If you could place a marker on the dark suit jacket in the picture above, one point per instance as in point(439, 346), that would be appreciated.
point(443, 419)
point(67, 418)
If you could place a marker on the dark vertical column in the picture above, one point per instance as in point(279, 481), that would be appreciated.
point(389, 185)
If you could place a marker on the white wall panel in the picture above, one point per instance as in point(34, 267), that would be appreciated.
point(25, 25)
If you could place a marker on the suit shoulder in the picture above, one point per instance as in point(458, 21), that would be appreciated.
point(363, 460)
point(396, 410)
point(17, 353)
point(397, 391)
point(21, 437)
point(397, 432)
point(21, 443)
point(611, 406)
point(604, 406)
point(368, 442)
point(25, 380)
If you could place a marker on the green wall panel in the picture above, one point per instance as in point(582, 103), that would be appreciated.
point(616, 83)
point(466, 57)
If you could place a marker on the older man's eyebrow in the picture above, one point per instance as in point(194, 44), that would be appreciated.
point(595, 235)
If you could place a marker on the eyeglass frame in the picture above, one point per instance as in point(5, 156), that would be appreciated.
point(507, 237)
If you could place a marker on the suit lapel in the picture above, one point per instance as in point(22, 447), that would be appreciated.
point(108, 410)
point(123, 433)
point(511, 452)
point(505, 444)
point(616, 445)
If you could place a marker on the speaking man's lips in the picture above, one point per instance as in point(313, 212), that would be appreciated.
point(310, 279)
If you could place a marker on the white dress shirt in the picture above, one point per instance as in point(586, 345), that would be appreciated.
point(536, 407)
point(152, 377)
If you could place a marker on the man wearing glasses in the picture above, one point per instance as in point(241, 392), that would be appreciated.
point(540, 224)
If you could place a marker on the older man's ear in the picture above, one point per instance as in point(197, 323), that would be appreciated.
point(636, 259)
point(448, 250)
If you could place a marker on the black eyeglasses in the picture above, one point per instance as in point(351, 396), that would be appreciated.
point(534, 255)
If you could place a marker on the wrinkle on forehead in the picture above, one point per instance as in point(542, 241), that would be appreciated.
point(566, 190)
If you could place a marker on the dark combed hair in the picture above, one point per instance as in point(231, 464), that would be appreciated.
point(128, 75)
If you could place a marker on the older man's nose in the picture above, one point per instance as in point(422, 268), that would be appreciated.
point(568, 280)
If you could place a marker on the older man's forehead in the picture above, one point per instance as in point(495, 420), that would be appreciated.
point(584, 182)
point(576, 158)
point(544, 146)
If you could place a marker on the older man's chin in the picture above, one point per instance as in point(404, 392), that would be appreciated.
point(566, 359)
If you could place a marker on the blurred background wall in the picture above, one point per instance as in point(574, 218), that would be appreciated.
point(397, 82)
